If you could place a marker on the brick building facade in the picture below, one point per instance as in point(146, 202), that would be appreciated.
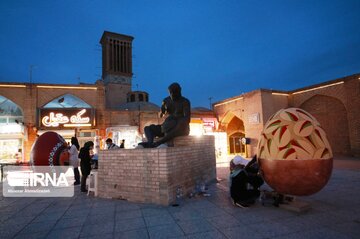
point(113, 109)
point(335, 104)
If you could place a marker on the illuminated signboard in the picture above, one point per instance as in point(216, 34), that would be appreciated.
point(208, 122)
point(59, 118)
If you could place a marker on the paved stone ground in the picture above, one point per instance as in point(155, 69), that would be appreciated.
point(335, 213)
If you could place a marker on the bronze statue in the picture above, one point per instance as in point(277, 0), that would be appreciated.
point(176, 109)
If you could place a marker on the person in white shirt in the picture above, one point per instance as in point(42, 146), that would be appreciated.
point(74, 160)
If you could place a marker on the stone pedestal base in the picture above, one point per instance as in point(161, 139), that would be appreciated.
point(154, 175)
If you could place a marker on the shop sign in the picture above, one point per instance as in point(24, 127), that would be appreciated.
point(210, 123)
point(58, 118)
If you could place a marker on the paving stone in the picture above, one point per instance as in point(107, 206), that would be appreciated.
point(272, 229)
point(159, 220)
point(102, 210)
point(165, 231)
point(154, 211)
point(70, 222)
point(196, 226)
point(44, 217)
point(76, 213)
point(242, 231)
point(134, 234)
point(207, 235)
point(350, 229)
point(126, 206)
point(103, 236)
point(184, 215)
point(56, 209)
point(100, 218)
point(38, 227)
point(316, 234)
point(211, 212)
point(9, 230)
point(19, 220)
point(128, 214)
point(67, 233)
point(224, 222)
point(36, 235)
point(129, 224)
point(99, 229)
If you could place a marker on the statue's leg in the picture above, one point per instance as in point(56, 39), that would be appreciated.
point(176, 131)
point(151, 132)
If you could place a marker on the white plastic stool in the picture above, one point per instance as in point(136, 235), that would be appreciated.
point(91, 183)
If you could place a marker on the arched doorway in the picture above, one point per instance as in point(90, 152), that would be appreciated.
point(236, 147)
point(235, 131)
point(332, 115)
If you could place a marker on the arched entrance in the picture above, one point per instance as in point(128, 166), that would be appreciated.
point(236, 147)
point(79, 118)
point(332, 115)
point(235, 131)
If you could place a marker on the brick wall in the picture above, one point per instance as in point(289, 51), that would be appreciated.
point(353, 108)
point(244, 108)
point(153, 175)
point(332, 116)
point(116, 94)
point(337, 108)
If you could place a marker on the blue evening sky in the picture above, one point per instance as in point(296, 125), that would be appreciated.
point(213, 48)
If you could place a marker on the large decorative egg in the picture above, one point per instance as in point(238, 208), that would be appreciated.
point(294, 153)
point(48, 149)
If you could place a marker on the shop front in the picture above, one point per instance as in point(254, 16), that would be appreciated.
point(68, 116)
point(12, 132)
point(130, 134)
point(207, 126)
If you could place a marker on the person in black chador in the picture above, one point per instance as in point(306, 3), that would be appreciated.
point(85, 163)
point(243, 175)
point(176, 109)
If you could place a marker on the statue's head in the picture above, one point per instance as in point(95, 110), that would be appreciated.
point(174, 91)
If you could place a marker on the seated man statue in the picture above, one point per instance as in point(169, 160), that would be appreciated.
point(176, 109)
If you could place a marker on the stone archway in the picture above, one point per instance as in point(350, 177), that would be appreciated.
point(235, 131)
point(332, 115)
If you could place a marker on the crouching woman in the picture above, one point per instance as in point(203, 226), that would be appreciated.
point(244, 181)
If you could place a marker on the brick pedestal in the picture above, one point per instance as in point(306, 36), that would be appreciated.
point(153, 175)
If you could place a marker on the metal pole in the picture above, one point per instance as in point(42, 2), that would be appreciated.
point(30, 72)
point(210, 98)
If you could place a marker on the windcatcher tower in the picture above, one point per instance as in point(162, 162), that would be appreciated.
point(116, 67)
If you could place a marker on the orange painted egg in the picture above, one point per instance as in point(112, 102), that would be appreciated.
point(294, 153)
point(47, 150)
